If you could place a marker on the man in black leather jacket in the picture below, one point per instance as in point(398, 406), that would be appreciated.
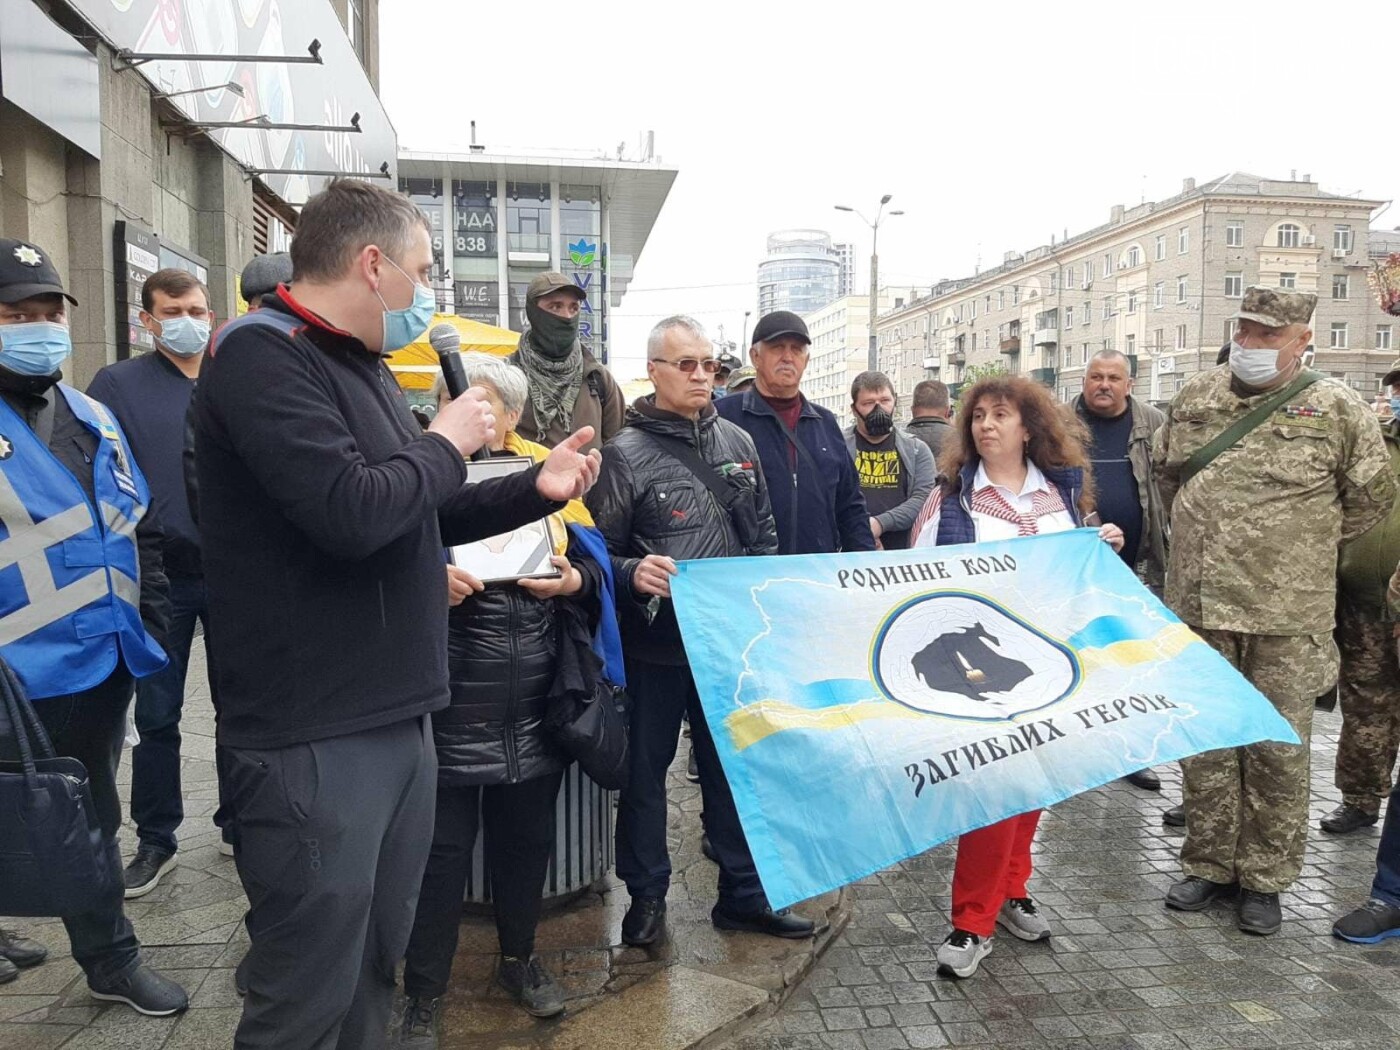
point(654, 506)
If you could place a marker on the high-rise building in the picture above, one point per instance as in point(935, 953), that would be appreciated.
point(846, 252)
point(1158, 282)
point(801, 272)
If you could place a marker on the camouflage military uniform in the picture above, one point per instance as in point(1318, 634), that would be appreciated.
point(1252, 567)
point(1370, 701)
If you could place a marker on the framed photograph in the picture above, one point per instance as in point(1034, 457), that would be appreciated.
point(517, 555)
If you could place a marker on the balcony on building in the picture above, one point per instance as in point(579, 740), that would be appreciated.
point(931, 363)
point(957, 357)
point(1047, 328)
point(1044, 376)
point(1010, 336)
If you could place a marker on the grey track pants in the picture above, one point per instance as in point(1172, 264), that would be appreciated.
point(332, 839)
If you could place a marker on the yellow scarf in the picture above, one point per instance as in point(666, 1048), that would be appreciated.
point(574, 511)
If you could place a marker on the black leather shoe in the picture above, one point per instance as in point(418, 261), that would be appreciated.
point(1259, 912)
point(692, 768)
point(145, 991)
point(20, 950)
point(146, 870)
point(1145, 779)
point(644, 921)
point(1343, 820)
point(707, 850)
point(8, 970)
point(530, 985)
point(1194, 893)
point(1174, 817)
point(774, 923)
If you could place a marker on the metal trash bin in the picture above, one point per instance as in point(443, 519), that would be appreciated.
point(583, 843)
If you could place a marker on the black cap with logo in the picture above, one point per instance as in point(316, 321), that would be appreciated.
point(778, 324)
point(25, 271)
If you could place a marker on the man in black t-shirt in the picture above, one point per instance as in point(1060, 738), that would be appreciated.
point(896, 471)
point(1120, 430)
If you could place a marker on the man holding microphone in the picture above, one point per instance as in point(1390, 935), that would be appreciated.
point(324, 509)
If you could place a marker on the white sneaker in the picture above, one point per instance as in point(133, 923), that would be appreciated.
point(961, 952)
point(1020, 918)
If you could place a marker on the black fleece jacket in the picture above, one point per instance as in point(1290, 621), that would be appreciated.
point(323, 511)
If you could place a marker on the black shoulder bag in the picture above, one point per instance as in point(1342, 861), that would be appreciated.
point(52, 857)
point(736, 500)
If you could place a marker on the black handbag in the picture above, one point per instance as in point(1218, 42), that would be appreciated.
point(52, 857)
point(588, 715)
point(593, 731)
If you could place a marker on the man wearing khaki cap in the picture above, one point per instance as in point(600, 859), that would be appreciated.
point(1369, 687)
point(1267, 467)
point(569, 388)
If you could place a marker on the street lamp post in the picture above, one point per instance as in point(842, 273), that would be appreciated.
point(744, 341)
point(873, 304)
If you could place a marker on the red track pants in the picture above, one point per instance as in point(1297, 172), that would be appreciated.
point(994, 864)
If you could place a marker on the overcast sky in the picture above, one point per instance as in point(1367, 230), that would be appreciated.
point(994, 125)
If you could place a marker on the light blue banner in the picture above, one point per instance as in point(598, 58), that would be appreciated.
point(869, 706)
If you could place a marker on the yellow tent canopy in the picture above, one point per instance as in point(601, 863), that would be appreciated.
point(416, 365)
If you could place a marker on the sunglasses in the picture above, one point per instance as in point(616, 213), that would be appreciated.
point(687, 365)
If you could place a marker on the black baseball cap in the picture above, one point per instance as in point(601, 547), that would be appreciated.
point(27, 271)
point(780, 323)
point(727, 362)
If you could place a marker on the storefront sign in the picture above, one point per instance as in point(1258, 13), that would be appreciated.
point(137, 256)
point(329, 93)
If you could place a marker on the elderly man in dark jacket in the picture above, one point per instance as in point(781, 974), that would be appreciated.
point(662, 495)
point(817, 502)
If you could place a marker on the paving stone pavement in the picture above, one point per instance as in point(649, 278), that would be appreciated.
point(1121, 972)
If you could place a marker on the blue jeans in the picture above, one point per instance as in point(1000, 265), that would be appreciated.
point(157, 807)
point(660, 695)
point(1387, 884)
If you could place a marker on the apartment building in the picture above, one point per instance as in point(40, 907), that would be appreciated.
point(840, 333)
point(1158, 282)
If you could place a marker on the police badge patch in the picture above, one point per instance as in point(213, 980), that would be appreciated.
point(28, 256)
point(7, 448)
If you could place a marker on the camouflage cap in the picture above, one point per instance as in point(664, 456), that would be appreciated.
point(1393, 376)
point(1275, 307)
point(745, 374)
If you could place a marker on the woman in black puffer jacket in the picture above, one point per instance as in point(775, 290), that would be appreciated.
point(495, 756)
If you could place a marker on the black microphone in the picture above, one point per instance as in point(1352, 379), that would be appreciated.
point(447, 341)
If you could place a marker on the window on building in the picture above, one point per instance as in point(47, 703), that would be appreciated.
point(1157, 345)
point(1001, 299)
point(1108, 265)
point(1159, 294)
point(1234, 234)
point(1161, 252)
point(1341, 238)
point(1132, 301)
point(1069, 317)
point(1288, 280)
point(972, 305)
point(1289, 235)
point(355, 28)
point(1183, 240)
point(1234, 285)
point(1134, 256)
point(1181, 289)
point(1088, 312)
point(1227, 330)
point(1069, 276)
point(1130, 344)
point(1339, 335)
point(1341, 286)
point(1382, 337)
point(1181, 337)
point(1088, 281)
point(1108, 343)
point(973, 343)
point(1015, 294)
point(1054, 281)
point(1107, 307)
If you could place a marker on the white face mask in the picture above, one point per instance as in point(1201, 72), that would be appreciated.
point(1256, 366)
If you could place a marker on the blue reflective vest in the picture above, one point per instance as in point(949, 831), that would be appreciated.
point(70, 592)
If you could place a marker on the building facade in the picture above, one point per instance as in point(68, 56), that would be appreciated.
point(499, 220)
point(840, 333)
point(801, 272)
point(111, 160)
point(1158, 282)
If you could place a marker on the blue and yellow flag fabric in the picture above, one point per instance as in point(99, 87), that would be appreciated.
point(869, 706)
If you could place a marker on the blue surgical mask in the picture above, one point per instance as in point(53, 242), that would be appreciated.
point(184, 336)
point(1395, 407)
point(35, 348)
point(402, 327)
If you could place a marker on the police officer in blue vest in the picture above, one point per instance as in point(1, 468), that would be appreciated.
point(82, 594)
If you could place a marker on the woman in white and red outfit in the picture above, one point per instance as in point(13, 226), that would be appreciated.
point(1018, 469)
